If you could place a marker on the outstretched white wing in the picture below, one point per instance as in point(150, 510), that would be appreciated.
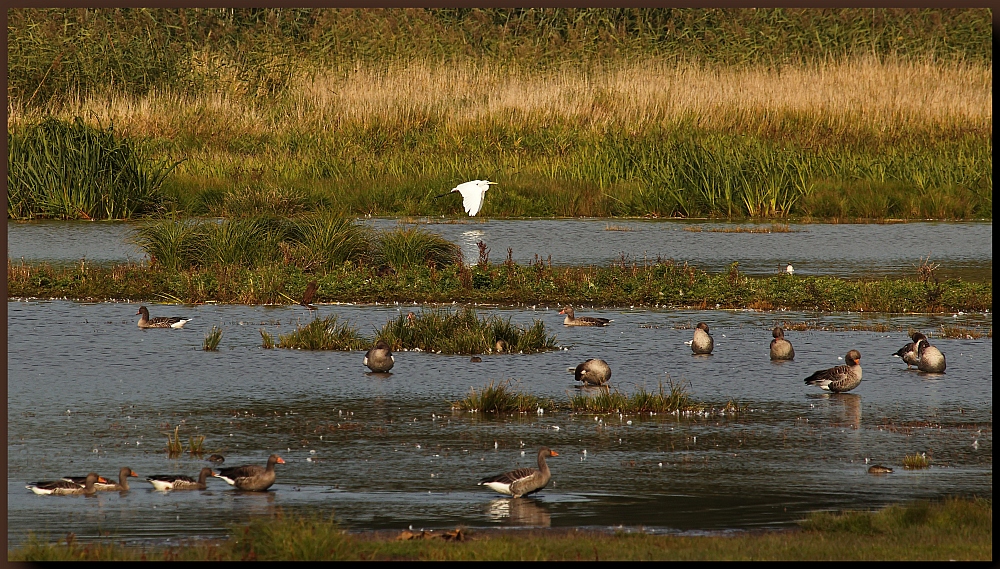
point(472, 195)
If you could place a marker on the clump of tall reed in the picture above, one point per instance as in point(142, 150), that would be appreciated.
point(324, 241)
point(212, 339)
point(674, 398)
point(70, 170)
point(501, 397)
point(916, 461)
point(464, 332)
point(324, 334)
point(267, 341)
point(409, 247)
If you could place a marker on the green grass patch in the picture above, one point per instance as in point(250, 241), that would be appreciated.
point(674, 398)
point(501, 397)
point(949, 529)
point(916, 461)
point(464, 332)
point(212, 339)
point(324, 334)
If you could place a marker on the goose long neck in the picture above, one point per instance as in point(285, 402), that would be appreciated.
point(543, 467)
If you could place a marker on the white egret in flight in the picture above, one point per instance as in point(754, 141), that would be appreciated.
point(472, 194)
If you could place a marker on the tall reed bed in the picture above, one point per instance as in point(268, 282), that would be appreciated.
point(71, 170)
point(464, 332)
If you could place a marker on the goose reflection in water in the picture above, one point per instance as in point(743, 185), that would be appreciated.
point(520, 512)
point(848, 406)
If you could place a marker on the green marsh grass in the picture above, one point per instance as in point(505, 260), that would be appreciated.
point(916, 461)
point(324, 334)
point(267, 341)
point(464, 332)
point(174, 445)
point(404, 248)
point(65, 169)
point(965, 332)
point(212, 339)
point(502, 398)
point(674, 398)
point(949, 529)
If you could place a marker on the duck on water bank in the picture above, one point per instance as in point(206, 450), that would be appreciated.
point(160, 322)
point(781, 349)
point(522, 481)
point(65, 487)
point(251, 477)
point(840, 378)
point(166, 482)
point(572, 320)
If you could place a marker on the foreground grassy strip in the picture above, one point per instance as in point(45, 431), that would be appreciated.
point(657, 284)
point(952, 529)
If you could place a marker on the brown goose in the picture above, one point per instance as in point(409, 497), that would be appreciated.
point(65, 487)
point(162, 322)
point(930, 359)
point(379, 358)
point(781, 349)
point(910, 352)
point(572, 320)
point(593, 372)
point(309, 295)
point(840, 378)
point(178, 482)
point(121, 485)
point(522, 481)
point(251, 477)
point(81, 480)
point(702, 342)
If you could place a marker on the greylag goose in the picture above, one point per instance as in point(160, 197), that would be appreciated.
point(840, 378)
point(572, 320)
point(178, 482)
point(502, 346)
point(161, 322)
point(472, 194)
point(121, 485)
point(379, 358)
point(909, 353)
point(81, 480)
point(929, 358)
point(702, 343)
point(781, 349)
point(593, 372)
point(216, 458)
point(65, 487)
point(522, 481)
point(251, 477)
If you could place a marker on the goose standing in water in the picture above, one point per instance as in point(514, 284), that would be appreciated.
point(910, 352)
point(702, 343)
point(161, 322)
point(379, 358)
point(166, 482)
point(121, 485)
point(65, 487)
point(251, 477)
point(840, 378)
point(522, 481)
point(593, 372)
point(781, 349)
point(572, 320)
point(929, 358)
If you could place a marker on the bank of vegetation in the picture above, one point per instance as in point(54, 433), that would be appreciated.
point(949, 529)
point(811, 113)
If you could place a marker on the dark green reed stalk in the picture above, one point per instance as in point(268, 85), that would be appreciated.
point(212, 339)
point(464, 332)
point(501, 397)
point(411, 247)
point(70, 170)
point(324, 334)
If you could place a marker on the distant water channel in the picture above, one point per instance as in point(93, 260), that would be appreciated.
point(963, 250)
point(88, 391)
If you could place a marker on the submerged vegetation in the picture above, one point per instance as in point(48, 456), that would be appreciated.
point(950, 529)
point(575, 112)
point(654, 283)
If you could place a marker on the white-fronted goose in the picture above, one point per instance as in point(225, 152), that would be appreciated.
point(251, 477)
point(702, 343)
point(840, 378)
point(929, 358)
point(522, 481)
point(65, 487)
point(909, 353)
point(572, 320)
point(593, 372)
point(121, 485)
point(781, 349)
point(162, 322)
point(379, 358)
point(177, 482)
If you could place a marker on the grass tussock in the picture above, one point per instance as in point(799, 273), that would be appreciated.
point(965, 333)
point(212, 339)
point(403, 248)
point(464, 332)
point(266, 340)
point(324, 334)
point(953, 528)
point(674, 399)
point(916, 461)
point(502, 398)
point(64, 169)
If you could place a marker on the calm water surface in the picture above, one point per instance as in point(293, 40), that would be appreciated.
point(87, 390)
point(850, 250)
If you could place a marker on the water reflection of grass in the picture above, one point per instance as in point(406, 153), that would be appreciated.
point(953, 528)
